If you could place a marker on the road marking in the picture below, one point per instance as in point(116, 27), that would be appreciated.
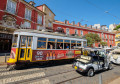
point(18, 71)
point(44, 81)
point(23, 77)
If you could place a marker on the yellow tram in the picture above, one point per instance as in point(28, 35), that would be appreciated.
point(38, 46)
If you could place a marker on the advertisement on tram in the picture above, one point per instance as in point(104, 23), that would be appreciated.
point(54, 54)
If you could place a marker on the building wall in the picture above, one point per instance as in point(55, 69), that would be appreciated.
point(117, 38)
point(20, 13)
point(85, 31)
point(112, 26)
point(48, 19)
point(7, 24)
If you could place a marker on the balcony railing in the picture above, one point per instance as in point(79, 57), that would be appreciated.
point(60, 30)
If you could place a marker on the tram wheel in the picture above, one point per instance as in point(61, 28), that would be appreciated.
point(12, 67)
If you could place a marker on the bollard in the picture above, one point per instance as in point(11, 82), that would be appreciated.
point(100, 79)
point(5, 57)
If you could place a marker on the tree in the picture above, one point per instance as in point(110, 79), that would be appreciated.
point(103, 43)
point(92, 38)
point(117, 27)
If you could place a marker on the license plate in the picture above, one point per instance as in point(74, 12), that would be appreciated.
point(75, 67)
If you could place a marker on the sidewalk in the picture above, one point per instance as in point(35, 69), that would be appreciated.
point(116, 81)
point(2, 60)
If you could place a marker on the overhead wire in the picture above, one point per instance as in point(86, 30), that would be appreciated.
point(68, 15)
point(107, 12)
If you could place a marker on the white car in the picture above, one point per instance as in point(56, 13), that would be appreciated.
point(115, 56)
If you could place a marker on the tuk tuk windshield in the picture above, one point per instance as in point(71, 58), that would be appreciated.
point(102, 54)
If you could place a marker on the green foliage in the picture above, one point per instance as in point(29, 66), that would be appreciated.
point(89, 41)
point(117, 27)
point(103, 43)
point(92, 38)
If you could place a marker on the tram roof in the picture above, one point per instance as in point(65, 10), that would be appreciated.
point(45, 32)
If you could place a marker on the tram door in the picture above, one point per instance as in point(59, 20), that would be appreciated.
point(25, 51)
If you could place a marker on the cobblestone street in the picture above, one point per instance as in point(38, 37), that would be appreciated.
point(62, 74)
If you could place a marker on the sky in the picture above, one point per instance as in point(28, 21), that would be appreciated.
point(90, 12)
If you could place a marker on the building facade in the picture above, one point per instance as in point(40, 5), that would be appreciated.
point(78, 29)
point(17, 14)
point(117, 38)
point(112, 26)
point(96, 25)
point(49, 17)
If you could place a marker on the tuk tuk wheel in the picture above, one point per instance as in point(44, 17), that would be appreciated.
point(90, 72)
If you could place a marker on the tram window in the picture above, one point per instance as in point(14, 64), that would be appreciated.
point(66, 44)
point(41, 43)
point(14, 43)
point(22, 53)
point(78, 43)
point(51, 43)
point(29, 41)
point(73, 44)
point(23, 41)
point(59, 44)
point(28, 52)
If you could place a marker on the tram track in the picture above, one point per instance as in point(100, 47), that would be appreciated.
point(49, 76)
point(75, 78)
point(10, 75)
point(39, 78)
point(26, 81)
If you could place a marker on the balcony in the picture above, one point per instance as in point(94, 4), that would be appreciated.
point(103, 38)
point(74, 35)
point(117, 39)
point(50, 29)
point(106, 38)
point(9, 22)
point(60, 31)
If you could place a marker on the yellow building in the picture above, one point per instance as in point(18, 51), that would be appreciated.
point(117, 38)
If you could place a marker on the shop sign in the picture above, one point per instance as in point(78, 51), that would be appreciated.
point(6, 36)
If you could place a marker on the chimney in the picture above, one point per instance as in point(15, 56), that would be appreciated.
point(90, 26)
point(66, 22)
point(96, 27)
point(85, 25)
point(32, 3)
point(73, 23)
point(78, 24)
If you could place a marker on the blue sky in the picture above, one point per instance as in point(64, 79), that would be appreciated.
point(85, 11)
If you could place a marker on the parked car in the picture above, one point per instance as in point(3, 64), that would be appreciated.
point(91, 61)
point(115, 56)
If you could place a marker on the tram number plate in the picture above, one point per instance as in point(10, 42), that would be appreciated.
point(75, 67)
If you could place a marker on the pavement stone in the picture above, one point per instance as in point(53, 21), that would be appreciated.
point(116, 81)
point(53, 75)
